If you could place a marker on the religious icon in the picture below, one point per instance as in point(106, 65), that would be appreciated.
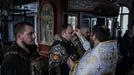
point(47, 24)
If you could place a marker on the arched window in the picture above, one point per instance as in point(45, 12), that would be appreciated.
point(123, 19)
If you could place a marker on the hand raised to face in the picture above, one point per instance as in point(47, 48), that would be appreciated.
point(77, 32)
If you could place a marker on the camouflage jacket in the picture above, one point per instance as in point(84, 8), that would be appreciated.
point(59, 52)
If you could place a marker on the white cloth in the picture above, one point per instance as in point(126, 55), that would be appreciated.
point(86, 44)
point(101, 60)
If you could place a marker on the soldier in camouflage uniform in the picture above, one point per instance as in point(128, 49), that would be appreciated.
point(61, 49)
point(17, 57)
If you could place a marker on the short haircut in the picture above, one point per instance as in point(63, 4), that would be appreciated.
point(20, 27)
point(102, 33)
point(84, 28)
point(65, 26)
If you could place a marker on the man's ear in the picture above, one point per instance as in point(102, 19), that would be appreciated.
point(94, 37)
point(19, 35)
point(63, 32)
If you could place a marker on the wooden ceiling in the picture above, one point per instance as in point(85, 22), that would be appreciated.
point(96, 7)
point(6, 4)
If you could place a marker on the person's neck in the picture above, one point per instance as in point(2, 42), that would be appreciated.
point(19, 42)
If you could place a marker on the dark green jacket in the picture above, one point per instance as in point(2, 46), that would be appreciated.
point(16, 61)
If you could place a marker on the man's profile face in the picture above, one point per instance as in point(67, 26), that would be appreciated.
point(69, 32)
point(27, 36)
point(87, 34)
point(92, 38)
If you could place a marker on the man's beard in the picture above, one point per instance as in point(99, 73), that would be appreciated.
point(25, 44)
point(88, 38)
point(32, 49)
point(28, 46)
point(91, 43)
